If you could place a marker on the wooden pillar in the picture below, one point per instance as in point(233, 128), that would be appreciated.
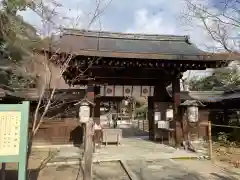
point(151, 118)
point(97, 110)
point(133, 109)
point(96, 119)
point(88, 155)
point(176, 113)
point(159, 98)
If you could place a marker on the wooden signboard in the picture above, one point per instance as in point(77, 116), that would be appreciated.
point(14, 135)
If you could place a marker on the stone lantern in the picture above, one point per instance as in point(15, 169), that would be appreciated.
point(192, 110)
point(192, 124)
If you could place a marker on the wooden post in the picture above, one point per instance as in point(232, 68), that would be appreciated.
point(133, 109)
point(150, 118)
point(176, 103)
point(97, 120)
point(88, 154)
point(210, 138)
point(143, 125)
point(146, 119)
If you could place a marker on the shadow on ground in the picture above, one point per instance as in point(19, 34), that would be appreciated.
point(76, 136)
point(13, 174)
point(132, 132)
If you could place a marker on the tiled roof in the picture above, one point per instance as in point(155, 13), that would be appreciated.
point(122, 45)
point(131, 43)
point(208, 96)
point(204, 96)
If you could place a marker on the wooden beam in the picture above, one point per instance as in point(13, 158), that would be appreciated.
point(120, 81)
point(176, 103)
point(125, 81)
point(151, 118)
point(142, 63)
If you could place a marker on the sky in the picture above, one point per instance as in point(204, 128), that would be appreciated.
point(133, 16)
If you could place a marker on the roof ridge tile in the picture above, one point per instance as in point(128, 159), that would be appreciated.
point(118, 35)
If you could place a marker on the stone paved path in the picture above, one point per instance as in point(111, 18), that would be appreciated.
point(139, 148)
point(171, 170)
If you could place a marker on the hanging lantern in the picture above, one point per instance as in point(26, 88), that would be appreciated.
point(125, 102)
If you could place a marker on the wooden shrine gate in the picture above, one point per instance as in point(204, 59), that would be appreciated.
point(116, 59)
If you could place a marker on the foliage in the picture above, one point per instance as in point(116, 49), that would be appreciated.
point(203, 83)
point(223, 137)
point(221, 79)
point(18, 80)
point(16, 38)
point(141, 111)
point(4, 77)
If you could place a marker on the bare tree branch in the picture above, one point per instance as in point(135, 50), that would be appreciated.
point(221, 24)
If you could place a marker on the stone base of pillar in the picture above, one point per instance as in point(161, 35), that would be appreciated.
point(194, 145)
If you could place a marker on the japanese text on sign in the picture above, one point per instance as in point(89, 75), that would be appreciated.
point(10, 133)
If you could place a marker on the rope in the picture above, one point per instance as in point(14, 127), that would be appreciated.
point(218, 125)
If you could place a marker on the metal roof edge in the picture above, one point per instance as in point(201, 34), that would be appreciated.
point(120, 35)
point(205, 92)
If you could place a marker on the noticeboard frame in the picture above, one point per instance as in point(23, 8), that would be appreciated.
point(21, 158)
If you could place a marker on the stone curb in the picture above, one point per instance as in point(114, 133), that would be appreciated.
point(191, 158)
point(130, 173)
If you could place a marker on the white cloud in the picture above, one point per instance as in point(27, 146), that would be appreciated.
point(151, 24)
point(139, 16)
point(170, 20)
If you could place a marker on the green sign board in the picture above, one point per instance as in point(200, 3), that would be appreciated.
point(14, 135)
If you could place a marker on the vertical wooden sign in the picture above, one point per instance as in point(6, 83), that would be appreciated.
point(14, 135)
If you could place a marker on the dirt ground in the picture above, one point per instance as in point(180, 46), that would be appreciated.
point(213, 170)
point(227, 154)
point(37, 163)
